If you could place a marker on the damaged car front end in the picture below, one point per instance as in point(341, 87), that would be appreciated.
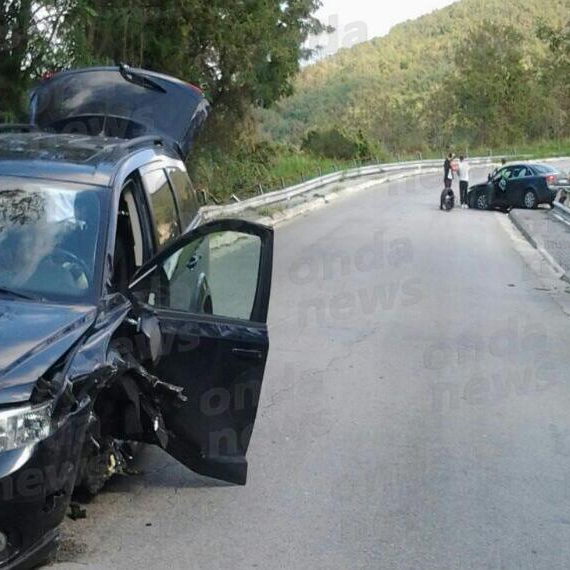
point(70, 432)
point(122, 319)
point(36, 485)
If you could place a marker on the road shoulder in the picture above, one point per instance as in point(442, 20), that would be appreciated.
point(548, 234)
point(545, 248)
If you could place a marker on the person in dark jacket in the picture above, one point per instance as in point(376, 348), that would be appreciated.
point(448, 171)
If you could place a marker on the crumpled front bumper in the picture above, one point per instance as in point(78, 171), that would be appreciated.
point(36, 485)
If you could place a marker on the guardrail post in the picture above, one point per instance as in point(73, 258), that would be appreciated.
point(260, 188)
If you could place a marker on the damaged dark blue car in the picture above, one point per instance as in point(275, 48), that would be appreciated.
point(123, 318)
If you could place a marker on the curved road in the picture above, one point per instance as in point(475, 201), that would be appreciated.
point(415, 415)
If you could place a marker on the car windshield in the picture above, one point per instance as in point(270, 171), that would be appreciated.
point(49, 235)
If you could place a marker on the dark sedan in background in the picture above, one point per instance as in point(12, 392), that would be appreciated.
point(521, 185)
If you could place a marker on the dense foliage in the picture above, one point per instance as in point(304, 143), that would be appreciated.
point(241, 53)
point(480, 72)
point(337, 144)
point(29, 46)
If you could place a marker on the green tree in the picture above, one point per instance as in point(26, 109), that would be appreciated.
point(555, 75)
point(331, 144)
point(241, 52)
point(492, 87)
point(28, 31)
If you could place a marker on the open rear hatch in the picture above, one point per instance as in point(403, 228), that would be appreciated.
point(120, 102)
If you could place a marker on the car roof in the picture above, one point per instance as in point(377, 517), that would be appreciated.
point(545, 166)
point(517, 165)
point(66, 157)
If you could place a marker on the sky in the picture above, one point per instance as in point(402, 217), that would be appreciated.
point(361, 20)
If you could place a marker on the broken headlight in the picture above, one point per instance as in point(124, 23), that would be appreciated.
point(24, 426)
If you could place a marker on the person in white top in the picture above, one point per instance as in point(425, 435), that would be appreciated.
point(463, 180)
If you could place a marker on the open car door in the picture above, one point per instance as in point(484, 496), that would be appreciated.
point(208, 294)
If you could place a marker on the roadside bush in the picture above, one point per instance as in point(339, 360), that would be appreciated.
point(332, 144)
point(247, 171)
point(339, 145)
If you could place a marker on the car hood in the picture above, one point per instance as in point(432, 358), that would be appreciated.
point(33, 337)
point(478, 187)
point(120, 102)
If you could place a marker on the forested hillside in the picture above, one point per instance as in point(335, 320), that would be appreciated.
point(473, 73)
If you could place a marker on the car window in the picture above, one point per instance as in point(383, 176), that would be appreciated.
point(130, 248)
point(500, 174)
point(186, 195)
point(217, 274)
point(521, 172)
point(163, 206)
point(49, 235)
point(546, 169)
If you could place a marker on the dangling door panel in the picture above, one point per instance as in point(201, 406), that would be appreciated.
point(213, 344)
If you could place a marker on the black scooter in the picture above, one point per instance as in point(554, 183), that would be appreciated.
point(447, 201)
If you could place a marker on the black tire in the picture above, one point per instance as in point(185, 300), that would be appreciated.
point(481, 202)
point(529, 200)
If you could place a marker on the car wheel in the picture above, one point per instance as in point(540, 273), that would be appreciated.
point(529, 200)
point(482, 203)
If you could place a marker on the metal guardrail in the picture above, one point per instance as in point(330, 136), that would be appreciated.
point(279, 196)
point(562, 211)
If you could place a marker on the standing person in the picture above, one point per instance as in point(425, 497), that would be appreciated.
point(448, 171)
point(463, 180)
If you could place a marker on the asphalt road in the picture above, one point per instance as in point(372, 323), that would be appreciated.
point(415, 415)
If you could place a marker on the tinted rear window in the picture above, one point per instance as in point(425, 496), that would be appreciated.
point(546, 169)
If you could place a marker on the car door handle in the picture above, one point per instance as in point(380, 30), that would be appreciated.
point(248, 354)
point(193, 262)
